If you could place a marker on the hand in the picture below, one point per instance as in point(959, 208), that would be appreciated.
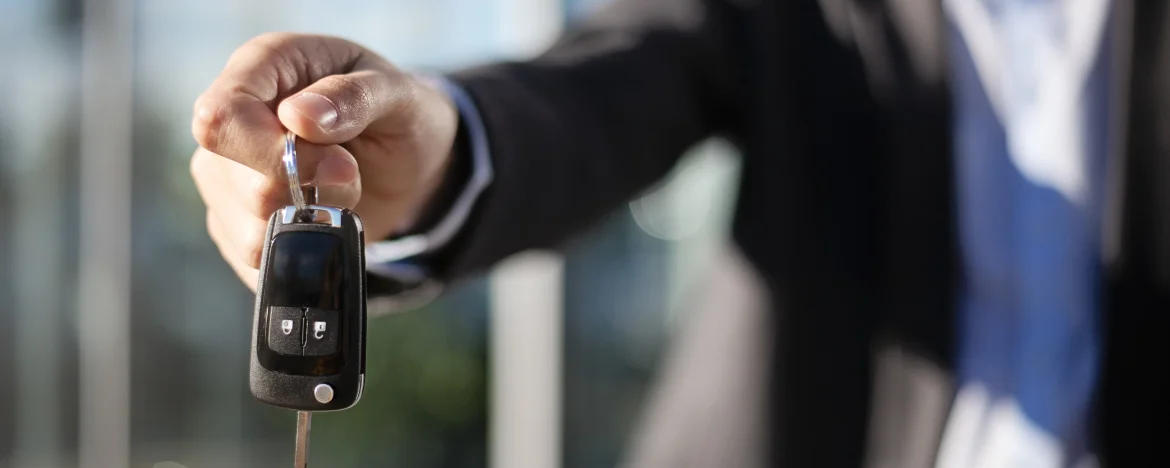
point(372, 137)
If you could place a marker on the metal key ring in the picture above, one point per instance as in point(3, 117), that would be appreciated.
point(290, 169)
point(300, 193)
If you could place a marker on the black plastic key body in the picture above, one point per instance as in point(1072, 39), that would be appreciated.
point(308, 335)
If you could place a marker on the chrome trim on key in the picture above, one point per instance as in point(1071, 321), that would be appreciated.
point(289, 214)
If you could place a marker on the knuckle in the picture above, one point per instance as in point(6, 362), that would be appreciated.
point(203, 174)
point(251, 243)
point(223, 239)
point(406, 104)
point(283, 52)
point(265, 197)
point(354, 90)
point(409, 92)
point(208, 123)
point(253, 254)
point(213, 230)
point(195, 166)
point(202, 163)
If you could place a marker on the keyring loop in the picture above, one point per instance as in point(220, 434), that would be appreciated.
point(290, 169)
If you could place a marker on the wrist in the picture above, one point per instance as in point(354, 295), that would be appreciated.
point(395, 202)
point(440, 193)
point(419, 253)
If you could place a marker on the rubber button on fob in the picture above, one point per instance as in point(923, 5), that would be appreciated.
point(321, 332)
point(285, 328)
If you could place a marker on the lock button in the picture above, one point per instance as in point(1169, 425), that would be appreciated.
point(285, 329)
point(321, 332)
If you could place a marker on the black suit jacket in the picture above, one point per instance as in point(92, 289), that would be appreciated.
point(841, 109)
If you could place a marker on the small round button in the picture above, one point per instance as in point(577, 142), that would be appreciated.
point(323, 393)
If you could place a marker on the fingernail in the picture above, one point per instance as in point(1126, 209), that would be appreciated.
point(317, 108)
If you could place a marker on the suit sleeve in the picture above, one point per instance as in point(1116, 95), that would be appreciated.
point(599, 117)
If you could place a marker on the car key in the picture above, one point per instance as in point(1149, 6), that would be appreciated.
point(308, 335)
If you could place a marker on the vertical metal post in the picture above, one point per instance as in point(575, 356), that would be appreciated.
point(526, 344)
point(103, 309)
point(37, 166)
point(38, 312)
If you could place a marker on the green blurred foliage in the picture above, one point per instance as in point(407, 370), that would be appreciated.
point(425, 400)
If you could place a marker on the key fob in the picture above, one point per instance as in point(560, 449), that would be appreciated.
point(309, 328)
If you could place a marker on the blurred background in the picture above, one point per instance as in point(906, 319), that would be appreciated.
point(124, 336)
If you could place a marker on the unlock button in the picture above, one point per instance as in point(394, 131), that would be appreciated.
point(320, 332)
point(284, 330)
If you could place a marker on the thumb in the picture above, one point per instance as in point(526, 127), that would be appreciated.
point(338, 108)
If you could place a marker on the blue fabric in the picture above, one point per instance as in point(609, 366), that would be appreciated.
point(1029, 327)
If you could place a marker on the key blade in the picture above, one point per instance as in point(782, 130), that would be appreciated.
point(304, 421)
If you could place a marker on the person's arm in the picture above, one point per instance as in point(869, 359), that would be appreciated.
point(568, 136)
point(599, 117)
